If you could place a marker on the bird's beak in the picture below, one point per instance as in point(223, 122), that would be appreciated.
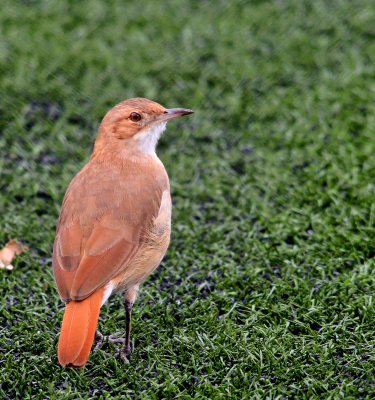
point(173, 113)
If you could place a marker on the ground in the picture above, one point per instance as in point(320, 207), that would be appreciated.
point(267, 290)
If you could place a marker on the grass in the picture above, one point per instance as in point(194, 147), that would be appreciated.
point(267, 290)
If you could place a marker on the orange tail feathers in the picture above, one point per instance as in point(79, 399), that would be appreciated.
point(78, 330)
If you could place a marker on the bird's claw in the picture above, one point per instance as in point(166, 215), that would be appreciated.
point(102, 339)
point(124, 353)
point(124, 357)
point(115, 338)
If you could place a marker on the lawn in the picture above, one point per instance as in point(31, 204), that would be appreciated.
point(267, 290)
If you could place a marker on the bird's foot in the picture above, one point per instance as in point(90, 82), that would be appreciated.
point(125, 352)
point(101, 339)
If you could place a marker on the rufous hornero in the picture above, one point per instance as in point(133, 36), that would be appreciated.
point(114, 225)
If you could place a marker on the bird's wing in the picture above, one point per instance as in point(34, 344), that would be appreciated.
point(105, 215)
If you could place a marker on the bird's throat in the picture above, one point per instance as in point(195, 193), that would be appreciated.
point(147, 138)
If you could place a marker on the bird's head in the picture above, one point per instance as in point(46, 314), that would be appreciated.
point(136, 123)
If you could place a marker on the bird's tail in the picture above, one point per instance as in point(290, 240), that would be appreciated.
point(78, 330)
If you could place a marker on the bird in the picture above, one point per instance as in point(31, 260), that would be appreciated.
point(114, 225)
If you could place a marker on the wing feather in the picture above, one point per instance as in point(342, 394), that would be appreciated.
point(100, 230)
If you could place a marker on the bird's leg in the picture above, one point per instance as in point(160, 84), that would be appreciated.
point(129, 299)
point(126, 351)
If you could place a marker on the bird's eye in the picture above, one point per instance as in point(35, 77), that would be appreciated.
point(135, 117)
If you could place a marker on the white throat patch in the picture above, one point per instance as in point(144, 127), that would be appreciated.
point(148, 138)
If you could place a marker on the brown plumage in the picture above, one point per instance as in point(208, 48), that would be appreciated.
point(114, 225)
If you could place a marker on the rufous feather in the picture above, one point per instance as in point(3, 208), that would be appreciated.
point(78, 330)
point(115, 222)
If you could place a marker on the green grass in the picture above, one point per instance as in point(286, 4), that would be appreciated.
point(267, 290)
